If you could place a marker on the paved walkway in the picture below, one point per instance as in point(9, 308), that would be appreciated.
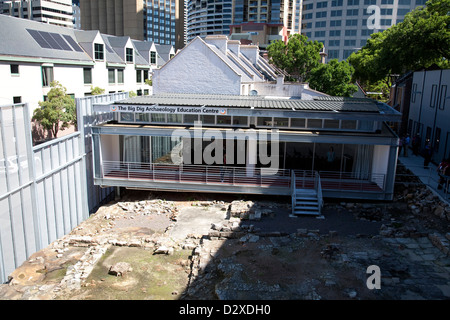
point(428, 176)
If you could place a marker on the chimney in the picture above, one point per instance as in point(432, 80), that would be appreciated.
point(220, 41)
point(234, 46)
point(251, 52)
point(322, 55)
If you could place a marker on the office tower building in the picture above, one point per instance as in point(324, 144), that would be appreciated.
point(159, 21)
point(207, 18)
point(344, 26)
point(49, 11)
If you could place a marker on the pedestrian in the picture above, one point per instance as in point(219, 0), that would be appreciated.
point(444, 172)
point(427, 155)
point(406, 145)
point(416, 144)
point(400, 145)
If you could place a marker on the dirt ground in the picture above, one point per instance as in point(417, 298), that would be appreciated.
point(213, 255)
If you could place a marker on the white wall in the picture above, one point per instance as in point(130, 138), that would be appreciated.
point(22, 85)
point(211, 76)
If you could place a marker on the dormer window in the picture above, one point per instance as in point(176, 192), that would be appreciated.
point(129, 54)
point(153, 57)
point(99, 51)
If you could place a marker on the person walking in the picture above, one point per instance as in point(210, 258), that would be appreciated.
point(406, 145)
point(427, 155)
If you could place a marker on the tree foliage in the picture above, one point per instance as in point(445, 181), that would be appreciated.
point(297, 57)
point(58, 112)
point(97, 90)
point(333, 78)
point(421, 40)
point(301, 59)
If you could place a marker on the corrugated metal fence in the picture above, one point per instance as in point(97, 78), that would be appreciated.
point(46, 190)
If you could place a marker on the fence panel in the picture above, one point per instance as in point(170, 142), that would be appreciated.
point(46, 190)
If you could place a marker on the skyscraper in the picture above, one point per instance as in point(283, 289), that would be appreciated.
point(206, 17)
point(342, 25)
point(159, 21)
point(49, 11)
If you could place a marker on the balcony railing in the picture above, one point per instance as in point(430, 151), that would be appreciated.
point(197, 174)
point(242, 176)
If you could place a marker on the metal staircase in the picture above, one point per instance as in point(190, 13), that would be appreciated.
point(306, 193)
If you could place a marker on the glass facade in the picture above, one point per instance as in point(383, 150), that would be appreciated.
point(159, 17)
point(347, 22)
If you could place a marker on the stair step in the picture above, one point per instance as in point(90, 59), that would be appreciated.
point(302, 197)
point(316, 213)
point(306, 207)
point(314, 202)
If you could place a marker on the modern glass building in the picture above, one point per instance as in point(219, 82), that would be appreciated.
point(342, 25)
point(208, 17)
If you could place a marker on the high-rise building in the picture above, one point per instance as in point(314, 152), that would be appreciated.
point(159, 21)
point(206, 17)
point(344, 26)
point(57, 12)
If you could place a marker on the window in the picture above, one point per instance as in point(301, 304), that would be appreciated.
point(15, 69)
point(352, 22)
point(334, 43)
point(321, 14)
point(387, 1)
point(17, 100)
point(98, 51)
point(47, 76)
point(336, 13)
point(443, 97)
point(111, 76)
point(413, 92)
point(336, 3)
point(352, 2)
point(87, 75)
point(139, 76)
point(153, 57)
point(129, 54)
point(321, 24)
point(350, 33)
point(433, 95)
point(120, 76)
point(335, 23)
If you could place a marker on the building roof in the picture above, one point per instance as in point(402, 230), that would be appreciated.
point(23, 38)
point(326, 104)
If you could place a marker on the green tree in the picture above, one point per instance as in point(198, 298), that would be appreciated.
point(58, 112)
point(333, 78)
point(297, 57)
point(97, 90)
point(421, 40)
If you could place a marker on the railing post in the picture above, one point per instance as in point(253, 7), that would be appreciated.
point(206, 174)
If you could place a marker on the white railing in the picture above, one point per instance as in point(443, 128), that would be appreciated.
point(200, 174)
point(241, 176)
point(351, 181)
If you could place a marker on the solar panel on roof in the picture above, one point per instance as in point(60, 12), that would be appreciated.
point(72, 42)
point(39, 39)
point(48, 37)
point(63, 44)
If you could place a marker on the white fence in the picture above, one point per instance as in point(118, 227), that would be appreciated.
point(46, 190)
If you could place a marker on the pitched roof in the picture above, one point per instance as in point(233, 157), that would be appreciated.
point(18, 38)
